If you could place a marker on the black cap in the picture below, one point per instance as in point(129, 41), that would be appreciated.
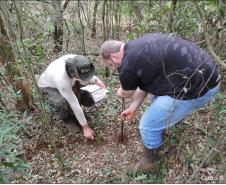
point(80, 67)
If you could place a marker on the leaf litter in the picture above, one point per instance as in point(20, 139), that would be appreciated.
point(104, 160)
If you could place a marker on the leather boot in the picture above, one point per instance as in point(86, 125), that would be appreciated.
point(145, 164)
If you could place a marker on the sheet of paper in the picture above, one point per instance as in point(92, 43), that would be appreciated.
point(99, 95)
point(96, 92)
point(91, 88)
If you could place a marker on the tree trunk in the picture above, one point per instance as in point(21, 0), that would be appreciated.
point(108, 18)
point(19, 18)
point(8, 58)
point(170, 20)
point(130, 16)
point(160, 7)
point(58, 25)
point(117, 20)
point(103, 19)
point(86, 18)
point(137, 8)
point(107, 70)
point(83, 28)
point(93, 34)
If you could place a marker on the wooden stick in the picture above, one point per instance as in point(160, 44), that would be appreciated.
point(122, 122)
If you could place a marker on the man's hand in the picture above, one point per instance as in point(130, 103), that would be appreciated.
point(100, 83)
point(128, 114)
point(88, 132)
point(97, 81)
point(137, 98)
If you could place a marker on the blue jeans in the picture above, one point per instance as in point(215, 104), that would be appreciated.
point(166, 111)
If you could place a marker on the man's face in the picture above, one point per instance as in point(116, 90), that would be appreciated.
point(112, 64)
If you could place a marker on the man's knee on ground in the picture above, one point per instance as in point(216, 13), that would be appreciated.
point(56, 104)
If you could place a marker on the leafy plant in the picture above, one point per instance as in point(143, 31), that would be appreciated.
point(10, 147)
point(185, 19)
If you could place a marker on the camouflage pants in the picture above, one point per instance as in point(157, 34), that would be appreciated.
point(57, 104)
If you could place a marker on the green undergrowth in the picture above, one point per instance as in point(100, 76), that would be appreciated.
point(11, 146)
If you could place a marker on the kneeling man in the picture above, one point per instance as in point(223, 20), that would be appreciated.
point(57, 81)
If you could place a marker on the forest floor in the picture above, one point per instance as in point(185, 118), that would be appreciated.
point(104, 160)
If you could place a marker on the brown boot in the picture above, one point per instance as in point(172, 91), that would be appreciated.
point(145, 164)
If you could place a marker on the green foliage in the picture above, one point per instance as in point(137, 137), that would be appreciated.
point(33, 47)
point(131, 36)
point(220, 107)
point(126, 8)
point(152, 15)
point(50, 28)
point(185, 19)
point(8, 94)
point(100, 71)
point(15, 95)
point(10, 147)
point(36, 46)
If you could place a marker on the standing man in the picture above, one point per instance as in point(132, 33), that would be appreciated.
point(181, 77)
point(57, 81)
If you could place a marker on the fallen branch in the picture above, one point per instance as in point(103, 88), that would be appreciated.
point(200, 42)
point(208, 157)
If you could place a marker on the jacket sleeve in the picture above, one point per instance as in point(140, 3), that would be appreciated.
point(69, 95)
